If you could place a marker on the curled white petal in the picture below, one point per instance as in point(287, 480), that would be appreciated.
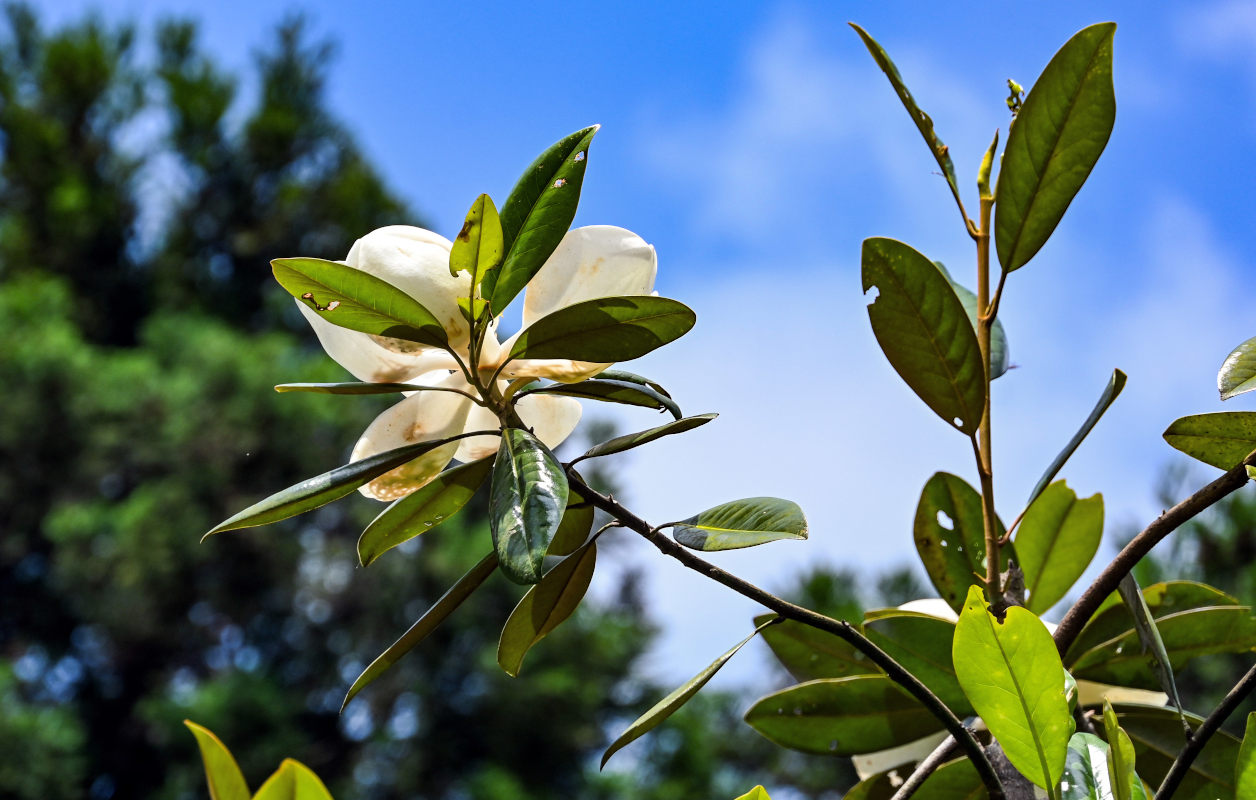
point(421, 417)
point(589, 262)
point(367, 360)
point(551, 418)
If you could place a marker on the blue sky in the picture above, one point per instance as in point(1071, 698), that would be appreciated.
point(756, 145)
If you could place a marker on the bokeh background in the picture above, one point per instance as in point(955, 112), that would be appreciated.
point(155, 156)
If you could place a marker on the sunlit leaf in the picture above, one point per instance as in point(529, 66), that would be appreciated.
point(1221, 440)
point(358, 301)
point(1088, 773)
point(605, 329)
point(950, 537)
point(422, 510)
point(478, 247)
point(670, 704)
point(537, 214)
point(222, 773)
point(742, 523)
point(630, 440)
point(293, 781)
point(545, 606)
point(1238, 372)
point(1120, 757)
point(1115, 384)
point(1157, 736)
point(609, 391)
point(427, 623)
point(526, 503)
point(1057, 137)
point(1055, 543)
point(808, 653)
point(1150, 639)
point(924, 331)
point(999, 357)
point(922, 644)
point(1013, 676)
point(842, 716)
point(1245, 764)
point(757, 793)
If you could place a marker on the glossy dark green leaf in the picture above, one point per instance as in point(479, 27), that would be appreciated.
point(576, 525)
point(922, 120)
point(1238, 371)
point(222, 773)
point(922, 644)
point(545, 606)
point(842, 716)
point(427, 623)
point(672, 702)
point(1221, 440)
point(1186, 635)
point(605, 329)
point(809, 654)
point(1157, 736)
point(1150, 639)
point(608, 391)
point(351, 387)
point(630, 440)
point(1055, 543)
point(526, 504)
point(293, 781)
point(422, 510)
point(924, 331)
point(632, 377)
point(1087, 771)
point(358, 301)
point(1115, 384)
point(478, 247)
point(954, 780)
point(1245, 764)
point(950, 537)
point(742, 523)
point(999, 358)
point(537, 214)
point(1014, 679)
point(323, 489)
point(1120, 757)
point(1057, 137)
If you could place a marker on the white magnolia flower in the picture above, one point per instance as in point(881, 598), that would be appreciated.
point(590, 262)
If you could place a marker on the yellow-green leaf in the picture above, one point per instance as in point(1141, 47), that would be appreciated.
point(223, 775)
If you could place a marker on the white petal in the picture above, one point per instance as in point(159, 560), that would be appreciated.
point(594, 261)
point(563, 370)
point(551, 418)
point(421, 417)
point(933, 607)
point(369, 361)
point(477, 447)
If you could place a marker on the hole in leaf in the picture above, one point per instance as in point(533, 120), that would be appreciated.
point(874, 292)
point(579, 156)
point(560, 183)
point(945, 521)
point(959, 423)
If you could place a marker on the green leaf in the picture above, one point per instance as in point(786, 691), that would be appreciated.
point(1120, 756)
point(526, 503)
point(809, 654)
point(842, 716)
point(293, 781)
point(681, 695)
point(607, 391)
point(222, 773)
point(545, 606)
point(924, 331)
point(358, 301)
point(1150, 639)
point(998, 336)
point(537, 214)
point(922, 644)
point(1221, 440)
point(757, 793)
point(1186, 635)
point(478, 247)
point(1238, 372)
point(742, 523)
point(950, 537)
point(954, 780)
point(1056, 542)
point(323, 489)
point(1087, 771)
point(1157, 736)
point(576, 525)
point(422, 510)
point(1057, 137)
point(923, 122)
point(351, 387)
point(605, 329)
point(630, 440)
point(1115, 384)
point(427, 623)
point(1245, 764)
point(1015, 681)
point(631, 377)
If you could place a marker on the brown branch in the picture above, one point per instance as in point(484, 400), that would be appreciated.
point(840, 628)
point(1195, 745)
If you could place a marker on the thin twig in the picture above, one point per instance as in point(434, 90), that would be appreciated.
point(788, 610)
point(925, 768)
point(1195, 745)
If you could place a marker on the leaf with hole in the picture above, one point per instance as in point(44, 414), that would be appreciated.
point(607, 391)
point(630, 440)
point(422, 510)
point(1014, 679)
point(1115, 384)
point(358, 301)
point(526, 504)
point(222, 773)
point(420, 630)
point(924, 331)
point(1238, 371)
point(950, 537)
point(478, 247)
point(842, 716)
point(1058, 135)
point(742, 523)
point(545, 606)
point(1055, 543)
point(1221, 440)
point(672, 702)
point(808, 653)
point(537, 214)
point(998, 337)
point(605, 329)
point(922, 644)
